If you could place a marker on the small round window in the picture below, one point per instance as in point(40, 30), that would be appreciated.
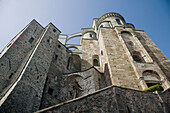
point(130, 43)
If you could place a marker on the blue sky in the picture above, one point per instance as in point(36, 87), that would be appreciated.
point(152, 16)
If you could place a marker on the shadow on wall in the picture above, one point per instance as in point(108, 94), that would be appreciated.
point(153, 56)
point(69, 87)
point(74, 63)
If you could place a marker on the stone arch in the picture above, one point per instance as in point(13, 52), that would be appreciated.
point(74, 76)
point(105, 24)
point(89, 34)
point(75, 85)
point(96, 60)
point(151, 77)
point(72, 47)
point(126, 35)
point(73, 36)
point(74, 63)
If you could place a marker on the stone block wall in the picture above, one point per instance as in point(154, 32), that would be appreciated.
point(62, 86)
point(38, 71)
point(112, 100)
point(26, 95)
point(165, 96)
point(119, 65)
point(54, 81)
point(89, 49)
point(15, 52)
point(155, 53)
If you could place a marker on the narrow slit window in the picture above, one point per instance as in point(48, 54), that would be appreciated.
point(118, 21)
point(101, 52)
point(50, 91)
point(59, 46)
point(55, 57)
point(11, 75)
point(91, 35)
point(68, 64)
point(49, 40)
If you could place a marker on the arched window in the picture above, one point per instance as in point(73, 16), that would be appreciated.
point(101, 52)
point(151, 78)
point(126, 35)
point(96, 60)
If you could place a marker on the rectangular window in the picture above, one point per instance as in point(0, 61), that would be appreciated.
point(50, 91)
point(55, 57)
point(31, 40)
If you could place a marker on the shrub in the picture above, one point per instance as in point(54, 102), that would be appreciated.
point(156, 87)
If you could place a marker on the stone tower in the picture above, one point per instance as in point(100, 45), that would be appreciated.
point(39, 69)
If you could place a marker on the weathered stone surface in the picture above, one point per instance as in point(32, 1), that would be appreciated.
point(30, 87)
point(113, 100)
point(15, 52)
point(38, 69)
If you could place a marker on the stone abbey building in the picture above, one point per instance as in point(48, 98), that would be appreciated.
point(107, 72)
